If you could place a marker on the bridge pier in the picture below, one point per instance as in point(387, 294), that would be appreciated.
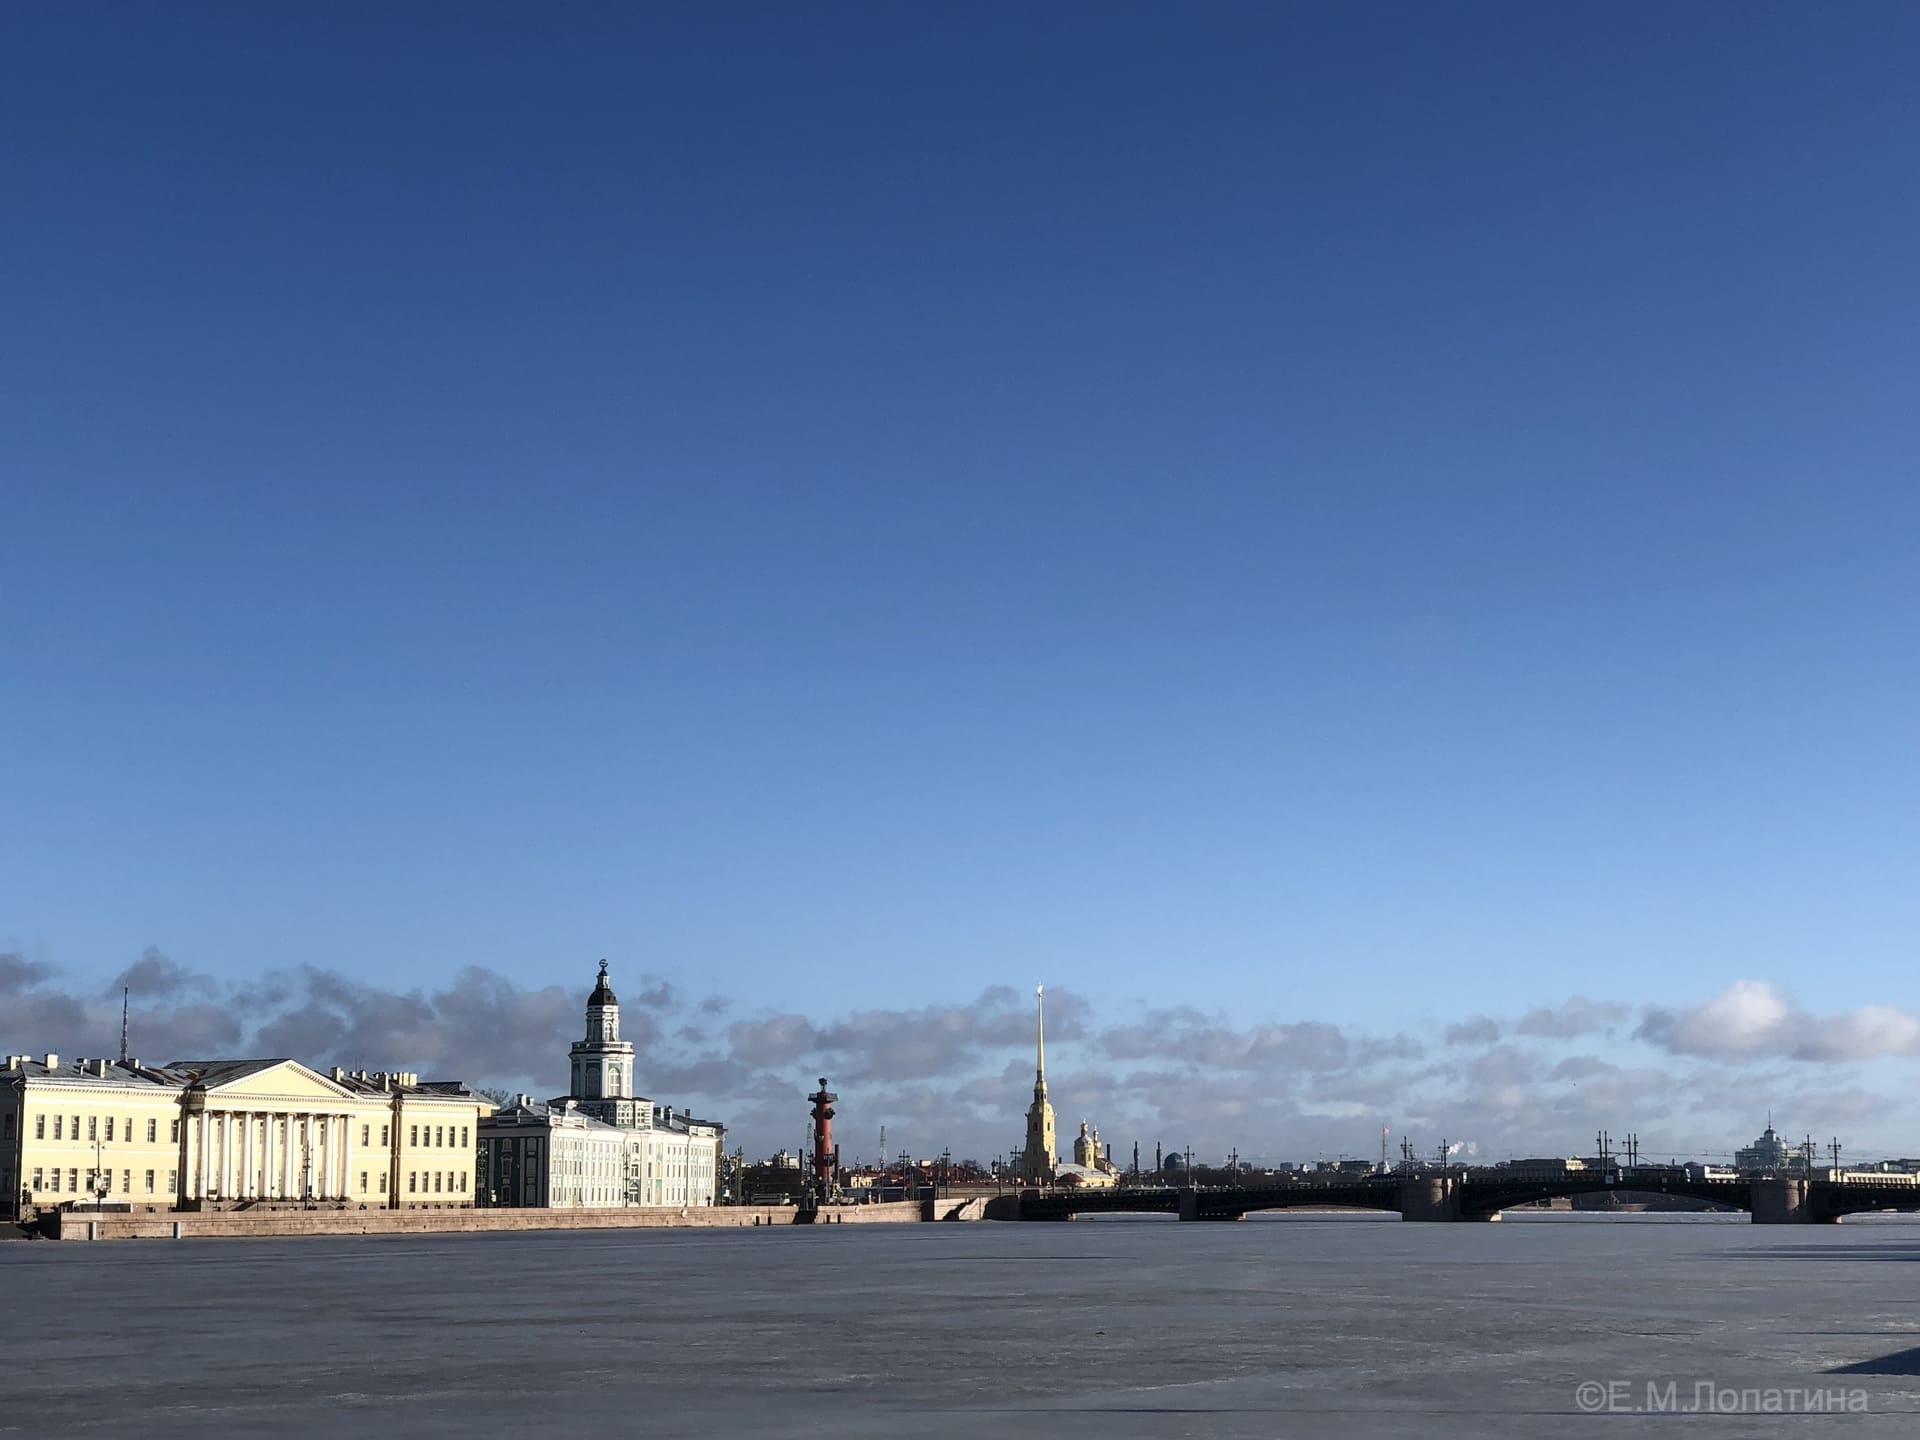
point(1781, 1201)
point(1429, 1197)
point(1190, 1209)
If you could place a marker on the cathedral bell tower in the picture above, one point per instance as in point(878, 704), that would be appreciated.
point(603, 1062)
point(1037, 1161)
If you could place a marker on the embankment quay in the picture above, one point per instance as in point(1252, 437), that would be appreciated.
point(84, 1224)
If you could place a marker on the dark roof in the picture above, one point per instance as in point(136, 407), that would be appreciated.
point(219, 1072)
point(131, 1073)
point(602, 991)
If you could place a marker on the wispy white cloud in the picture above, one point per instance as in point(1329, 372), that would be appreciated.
point(1752, 1018)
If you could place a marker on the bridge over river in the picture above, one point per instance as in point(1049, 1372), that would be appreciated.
point(1786, 1200)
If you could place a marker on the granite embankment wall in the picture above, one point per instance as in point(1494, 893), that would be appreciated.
point(75, 1225)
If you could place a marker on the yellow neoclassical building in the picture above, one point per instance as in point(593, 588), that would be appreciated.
point(209, 1134)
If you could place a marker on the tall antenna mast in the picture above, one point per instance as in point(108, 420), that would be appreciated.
point(126, 993)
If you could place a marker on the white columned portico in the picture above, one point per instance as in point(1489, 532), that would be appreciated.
point(198, 1136)
point(306, 1157)
point(266, 1157)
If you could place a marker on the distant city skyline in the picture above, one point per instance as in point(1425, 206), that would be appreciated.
point(1370, 549)
point(1690, 1082)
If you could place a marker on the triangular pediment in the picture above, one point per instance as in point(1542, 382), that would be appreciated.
point(270, 1080)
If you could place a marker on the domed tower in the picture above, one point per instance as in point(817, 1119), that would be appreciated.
point(1086, 1150)
point(603, 1062)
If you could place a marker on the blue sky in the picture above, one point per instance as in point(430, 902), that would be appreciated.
point(1352, 515)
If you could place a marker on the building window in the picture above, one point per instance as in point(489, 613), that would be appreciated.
point(464, 1141)
point(436, 1181)
point(383, 1184)
point(126, 1182)
point(73, 1177)
point(366, 1138)
point(39, 1127)
point(383, 1136)
point(149, 1182)
point(363, 1182)
point(173, 1182)
point(39, 1180)
point(173, 1133)
point(153, 1131)
point(58, 1121)
point(55, 1187)
point(411, 1177)
point(413, 1135)
point(109, 1127)
point(93, 1128)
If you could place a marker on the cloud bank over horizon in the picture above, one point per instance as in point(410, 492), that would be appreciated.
point(1688, 1080)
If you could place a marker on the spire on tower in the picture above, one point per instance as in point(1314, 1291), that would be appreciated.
point(1038, 1162)
point(1040, 1034)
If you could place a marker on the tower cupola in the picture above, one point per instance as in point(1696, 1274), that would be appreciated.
point(602, 1062)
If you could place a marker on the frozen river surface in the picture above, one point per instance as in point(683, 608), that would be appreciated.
point(1284, 1325)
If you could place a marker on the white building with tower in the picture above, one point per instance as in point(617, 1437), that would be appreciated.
point(601, 1144)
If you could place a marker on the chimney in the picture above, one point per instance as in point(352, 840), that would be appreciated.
point(53, 1062)
point(100, 1069)
point(336, 1074)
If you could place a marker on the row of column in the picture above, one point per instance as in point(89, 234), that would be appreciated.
point(242, 1155)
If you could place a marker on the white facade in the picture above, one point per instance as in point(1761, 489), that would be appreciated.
point(676, 1160)
point(535, 1156)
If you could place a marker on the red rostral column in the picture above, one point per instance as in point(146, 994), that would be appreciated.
point(823, 1156)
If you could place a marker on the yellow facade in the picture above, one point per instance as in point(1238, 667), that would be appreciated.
point(435, 1148)
point(216, 1134)
point(78, 1137)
